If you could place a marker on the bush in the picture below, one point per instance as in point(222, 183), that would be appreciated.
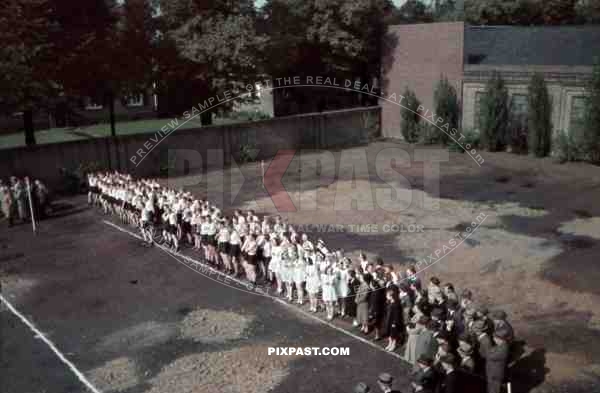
point(567, 147)
point(74, 180)
point(248, 153)
point(517, 136)
point(591, 132)
point(429, 134)
point(446, 106)
point(471, 138)
point(494, 114)
point(539, 117)
point(410, 119)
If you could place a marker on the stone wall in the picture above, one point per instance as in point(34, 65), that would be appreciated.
point(144, 154)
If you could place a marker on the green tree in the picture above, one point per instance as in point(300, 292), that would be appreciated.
point(410, 117)
point(412, 11)
point(494, 114)
point(520, 12)
point(27, 58)
point(446, 106)
point(335, 38)
point(591, 131)
point(588, 11)
point(539, 117)
point(218, 41)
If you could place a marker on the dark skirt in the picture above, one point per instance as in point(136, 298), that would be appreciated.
point(212, 240)
point(234, 250)
point(223, 247)
point(252, 260)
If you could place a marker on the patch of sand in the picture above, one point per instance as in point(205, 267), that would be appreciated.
point(214, 326)
point(116, 375)
point(242, 370)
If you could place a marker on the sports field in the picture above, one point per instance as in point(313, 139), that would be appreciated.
point(115, 316)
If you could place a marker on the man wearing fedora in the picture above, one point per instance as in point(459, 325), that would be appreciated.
point(495, 362)
point(425, 374)
point(498, 318)
point(385, 381)
point(450, 378)
point(420, 384)
point(479, 330)
point(361, 387)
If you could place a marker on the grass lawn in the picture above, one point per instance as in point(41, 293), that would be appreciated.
point(57, 135)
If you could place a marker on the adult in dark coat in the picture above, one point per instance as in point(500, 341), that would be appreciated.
point(362, 298)
point(393, 326)
point(385, 381)
point(495, 363)
point(450, 381)
point(377, 307)
point(426, 375)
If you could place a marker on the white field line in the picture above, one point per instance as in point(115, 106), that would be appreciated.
point(50, 344)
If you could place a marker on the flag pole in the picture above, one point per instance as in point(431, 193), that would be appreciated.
point(30, 204)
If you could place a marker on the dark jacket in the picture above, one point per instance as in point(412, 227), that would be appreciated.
point(376, 304)
point(450, 383)
point(495, 362)
point(393, 323)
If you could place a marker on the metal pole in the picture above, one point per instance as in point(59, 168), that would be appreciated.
point(30, 204)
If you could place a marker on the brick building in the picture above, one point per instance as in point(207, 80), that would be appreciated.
point(468, 55)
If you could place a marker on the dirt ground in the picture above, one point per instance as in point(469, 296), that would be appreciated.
point(136, 321)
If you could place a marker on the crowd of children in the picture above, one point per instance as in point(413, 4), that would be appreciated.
point(441, 331)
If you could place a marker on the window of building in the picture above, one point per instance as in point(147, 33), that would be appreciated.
point(577, 115)
point(477, 110)
point(135, 100)
point(519, 105)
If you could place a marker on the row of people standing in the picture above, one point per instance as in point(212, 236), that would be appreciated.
point(14, 200)
point(431, 323)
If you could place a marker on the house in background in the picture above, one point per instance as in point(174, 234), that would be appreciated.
point(468, 55)
point(83, 111)
point(563, 54)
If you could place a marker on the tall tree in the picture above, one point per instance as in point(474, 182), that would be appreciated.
point(107, 49)
point(27, 58)
point(592, 116)
point(588, 11)
point(446, 106)
point(520, 12)
point(325, 37)
point(539, 117)
point(495, 112)
point(219, 40)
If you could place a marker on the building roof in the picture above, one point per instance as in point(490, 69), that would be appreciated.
point(532, 45)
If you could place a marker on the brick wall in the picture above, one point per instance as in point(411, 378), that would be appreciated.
point(416, 56)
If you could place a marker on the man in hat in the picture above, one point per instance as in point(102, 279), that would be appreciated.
point(465, 351)
point(362, 387)
point(498, 318)
point(479, 330)
point(426, 372)
point(495, 362)
point(424, 379)
point(450, 379)
point(385, 381)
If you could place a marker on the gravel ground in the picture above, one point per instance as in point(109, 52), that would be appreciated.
point(132, 318)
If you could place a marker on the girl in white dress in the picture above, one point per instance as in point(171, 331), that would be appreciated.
point(300, 274)
point(343, 288)
point(328, 281)
point(313, 281)
point(290, 255)
point(275, 264)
